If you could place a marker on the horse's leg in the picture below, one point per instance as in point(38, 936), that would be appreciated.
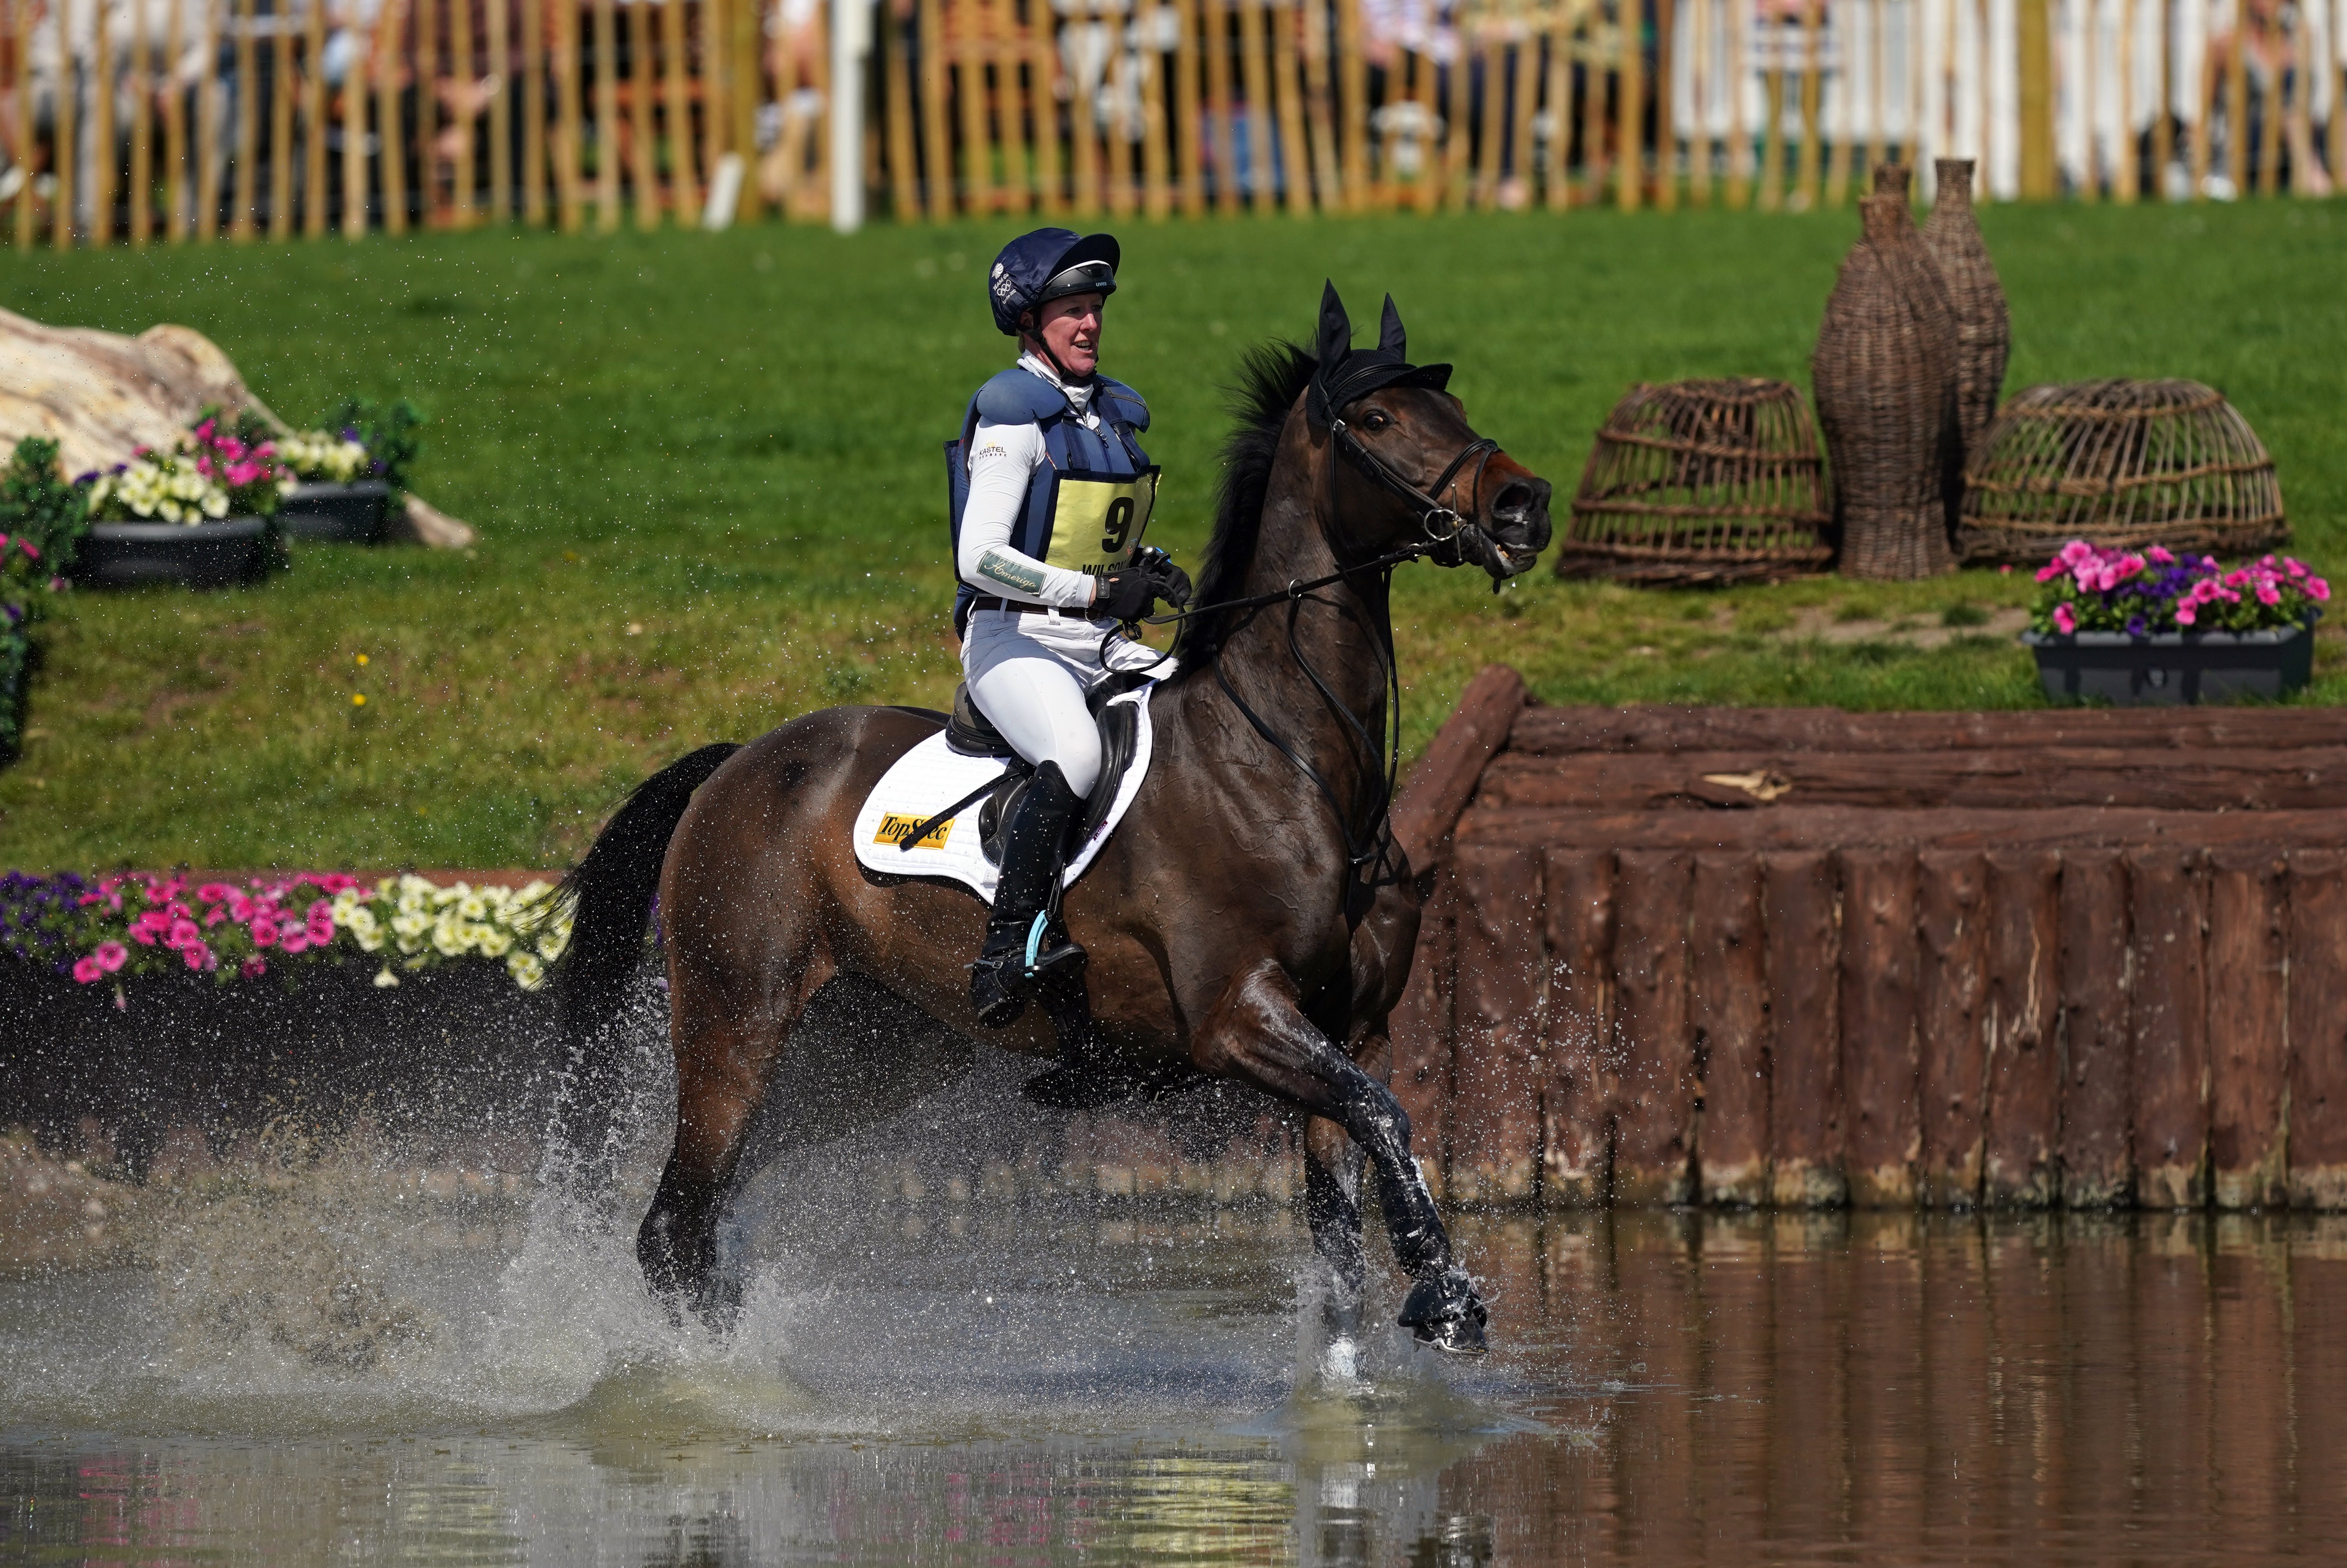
point(1257, 1033)
point(727, 1035)
point(1332, 1203)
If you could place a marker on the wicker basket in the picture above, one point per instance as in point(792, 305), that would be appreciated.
point(2120, 464)
point(1885, 375)
point(1700, 483)
point(1983, 324)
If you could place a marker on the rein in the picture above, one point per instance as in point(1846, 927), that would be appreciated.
point(1371, 851)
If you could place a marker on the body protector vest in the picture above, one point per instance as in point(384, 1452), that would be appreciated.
point(1089, 504)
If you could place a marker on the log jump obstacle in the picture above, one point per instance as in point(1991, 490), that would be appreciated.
point(1800, 958)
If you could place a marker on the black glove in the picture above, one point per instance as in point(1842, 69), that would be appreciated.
point(1172, 584)
point(1126, 594)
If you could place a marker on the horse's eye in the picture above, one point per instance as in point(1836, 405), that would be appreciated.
point(1376, 419)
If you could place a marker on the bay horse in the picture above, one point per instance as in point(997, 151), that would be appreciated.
point(1251, 920)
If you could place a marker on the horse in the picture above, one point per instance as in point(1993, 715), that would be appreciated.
point(1252, 920)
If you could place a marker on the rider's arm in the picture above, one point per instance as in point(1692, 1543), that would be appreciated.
point(1002, 459)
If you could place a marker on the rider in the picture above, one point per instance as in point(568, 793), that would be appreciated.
point(1051, 492)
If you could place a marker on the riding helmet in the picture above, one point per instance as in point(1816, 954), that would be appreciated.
point(1049, 264)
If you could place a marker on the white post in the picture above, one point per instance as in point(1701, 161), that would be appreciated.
point(851, 42)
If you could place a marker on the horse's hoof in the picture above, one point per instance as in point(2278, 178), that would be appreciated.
point(1444, 1310)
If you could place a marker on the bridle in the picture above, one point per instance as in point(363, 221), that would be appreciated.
point(1445, 546)
point(1443, 532)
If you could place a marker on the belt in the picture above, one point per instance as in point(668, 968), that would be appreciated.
point(1017, 607)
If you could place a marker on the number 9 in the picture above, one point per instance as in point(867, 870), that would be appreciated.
point(1120, 524)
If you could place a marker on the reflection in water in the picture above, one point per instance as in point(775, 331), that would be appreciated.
point(1049, 1385)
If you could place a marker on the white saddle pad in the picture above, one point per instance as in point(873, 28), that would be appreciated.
point(932, 776)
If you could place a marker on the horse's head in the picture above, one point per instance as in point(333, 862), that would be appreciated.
point(1409, 471)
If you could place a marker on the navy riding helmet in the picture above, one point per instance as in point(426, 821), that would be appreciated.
point(1049, 264)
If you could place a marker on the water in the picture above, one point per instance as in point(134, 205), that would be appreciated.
point(317, 1354)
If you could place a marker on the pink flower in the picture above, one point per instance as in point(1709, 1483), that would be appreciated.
point(2005, 570)
point(85, 971)
point(2236, 577)
point(31, 553)
point(197, 955)
point(2297, 567)
point(184, 934)
point(2316, 589)
point(240, 907)
point(336, 882)
point(2076, 551)
point(2048, 573)
point(253, 969)
point(2269, 594)
point(2185, 614)
point(264, 932)
point(2159, 556)
point(213, 892)
point(214, 917)
point(143, 935)
point(2064, 621)
point(111, 956)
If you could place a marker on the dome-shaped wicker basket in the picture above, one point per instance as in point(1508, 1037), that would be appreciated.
point(1702, 483)
point(2120, 464)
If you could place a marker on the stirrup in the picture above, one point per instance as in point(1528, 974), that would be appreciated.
point(1043, 960)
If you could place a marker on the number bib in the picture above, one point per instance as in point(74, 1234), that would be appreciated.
point(1097, 519)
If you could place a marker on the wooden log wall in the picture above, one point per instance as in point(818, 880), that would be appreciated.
point(2075, 958)
point(134, 120)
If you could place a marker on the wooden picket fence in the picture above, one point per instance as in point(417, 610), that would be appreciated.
point(132, 119)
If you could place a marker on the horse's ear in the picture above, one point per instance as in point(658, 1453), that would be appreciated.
point(1335, 328)
point(1389, 333)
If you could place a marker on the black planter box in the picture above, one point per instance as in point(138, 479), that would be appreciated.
point(2173, 667)
point(187, 555)
point(349, 514)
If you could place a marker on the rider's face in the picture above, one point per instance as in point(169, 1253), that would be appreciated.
point(1070, 328)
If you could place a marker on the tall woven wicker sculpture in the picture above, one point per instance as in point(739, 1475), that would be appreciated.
point(2120, 463)
point(1701, 482)
point(1984, 325)
point(1885, 375)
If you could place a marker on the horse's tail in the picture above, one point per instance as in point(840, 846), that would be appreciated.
point(610, 893)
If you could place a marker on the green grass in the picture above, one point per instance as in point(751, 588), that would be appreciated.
point(731, 442)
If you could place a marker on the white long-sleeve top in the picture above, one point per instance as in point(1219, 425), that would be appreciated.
point(1002, 461)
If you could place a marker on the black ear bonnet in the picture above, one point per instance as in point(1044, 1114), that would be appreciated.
point(1347, 375)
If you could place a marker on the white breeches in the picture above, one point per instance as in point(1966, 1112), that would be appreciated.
point(1029, 674)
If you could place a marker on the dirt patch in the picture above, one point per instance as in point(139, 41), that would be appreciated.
point(1818, 624)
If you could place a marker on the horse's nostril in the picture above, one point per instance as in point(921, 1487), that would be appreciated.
point(1516, 498)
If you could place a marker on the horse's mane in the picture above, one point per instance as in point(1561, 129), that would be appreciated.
point(1272, 377)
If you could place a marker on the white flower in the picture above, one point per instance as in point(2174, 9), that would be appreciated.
point(472, 906)
point(410, 923)
point(490, 942)
point(369, 941)
point(527, 971)
point(448, 937)
point(384, 978)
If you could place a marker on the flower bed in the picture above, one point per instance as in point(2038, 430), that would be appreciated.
point(2153, 626)
point(42, 520)
point(2146, 593)
point(121, 926)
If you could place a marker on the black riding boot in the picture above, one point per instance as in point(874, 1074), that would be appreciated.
point(1005, 973)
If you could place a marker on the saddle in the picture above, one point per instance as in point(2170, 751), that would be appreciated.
point(970, 733)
